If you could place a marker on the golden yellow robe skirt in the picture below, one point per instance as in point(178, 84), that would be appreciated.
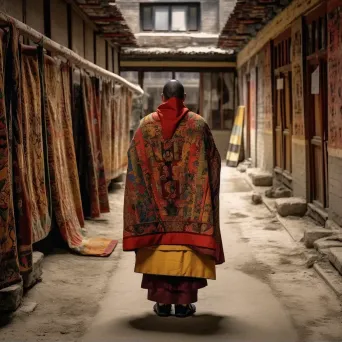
point(179, 261)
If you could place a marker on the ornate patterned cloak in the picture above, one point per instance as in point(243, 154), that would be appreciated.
point(172, 188)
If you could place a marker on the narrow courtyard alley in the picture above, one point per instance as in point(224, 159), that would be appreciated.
point(263, 292)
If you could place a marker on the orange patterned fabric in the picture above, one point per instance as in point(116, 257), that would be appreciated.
point(107, 134)
point(9, 267)
point(96, 179)
point(34, 143)
point(62, 163)
point(65, 103)
point(22, 208)
point(123, 103)
point(172, 188)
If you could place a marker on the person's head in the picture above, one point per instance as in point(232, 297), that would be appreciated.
point(173, 88)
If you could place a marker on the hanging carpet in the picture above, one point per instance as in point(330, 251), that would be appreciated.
point(9, 267)
point(22, 206)
point(62, 164)
point(94, 178)
point(107, 133)
point(34, 142)
point(234, 148)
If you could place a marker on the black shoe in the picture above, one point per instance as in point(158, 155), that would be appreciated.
point(162, 310)
point(183, 311)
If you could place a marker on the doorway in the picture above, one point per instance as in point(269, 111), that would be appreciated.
point(282, 129)
point(317, 104)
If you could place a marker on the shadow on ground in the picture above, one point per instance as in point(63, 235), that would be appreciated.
point(205, 324)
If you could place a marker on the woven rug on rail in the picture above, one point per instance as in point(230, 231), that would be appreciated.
point(21, 198)
point(34, 143)
point(124, 99)
point(62, 163)
point(107, 129)
point(9, 266)
point(234, 148)
point(95, 179)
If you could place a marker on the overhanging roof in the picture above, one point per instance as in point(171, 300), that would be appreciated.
point(188, 53)
point(109, 20)
point(247, 18)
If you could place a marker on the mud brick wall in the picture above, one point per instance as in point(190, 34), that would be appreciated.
point(100, 52)
point(13, 7)
point(299, 175)
point(116, 61)
point(77, 34)
point(335, 189)
point(264, 111)
point(35, 15)
point(59, 21)
point(110, 58)
point(334, 110)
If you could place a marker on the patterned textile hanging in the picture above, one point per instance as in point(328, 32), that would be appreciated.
point(34, 143)
point(95, 178)
point(107, 130)
point(22, 207)
point(9, 266)
point(62, 164)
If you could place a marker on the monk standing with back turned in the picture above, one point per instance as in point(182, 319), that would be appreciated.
point(171, 211)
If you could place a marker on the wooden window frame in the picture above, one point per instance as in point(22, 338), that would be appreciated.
point(170, 5)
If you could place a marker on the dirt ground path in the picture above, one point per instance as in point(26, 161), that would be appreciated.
point(262, 293)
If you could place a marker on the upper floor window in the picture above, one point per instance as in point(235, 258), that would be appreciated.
point(167, 17)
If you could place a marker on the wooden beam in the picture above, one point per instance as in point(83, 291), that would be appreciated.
point(114, 35)
point(274, 28)
point(106, 19)
point(61, 50)
point(175, 64)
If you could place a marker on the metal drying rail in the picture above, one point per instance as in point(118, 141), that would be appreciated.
point(61, 50)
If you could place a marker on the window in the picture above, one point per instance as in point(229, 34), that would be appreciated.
point(166, 17)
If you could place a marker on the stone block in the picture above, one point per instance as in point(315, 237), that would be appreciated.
point(313, 234)
point(261, 178)
point(10, 297)
point(318, 214)
point(27, 308)
point(293, 206)
point(242, 168)
point(323, 245)
point(335, 257)
point(331, 225)
point(279, 192)
point(37, 270)
point(256, 198)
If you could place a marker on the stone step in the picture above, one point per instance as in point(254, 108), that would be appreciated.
point(325, 244)
point(313, 234)
point(260, 178)
point(37, 270)
point(335, 257)
point(293, 206)
point(330, 276)
point(11, 297)
point(318, 214)
point(278, 192)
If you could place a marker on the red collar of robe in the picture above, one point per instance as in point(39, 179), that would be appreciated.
point(170, 113)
